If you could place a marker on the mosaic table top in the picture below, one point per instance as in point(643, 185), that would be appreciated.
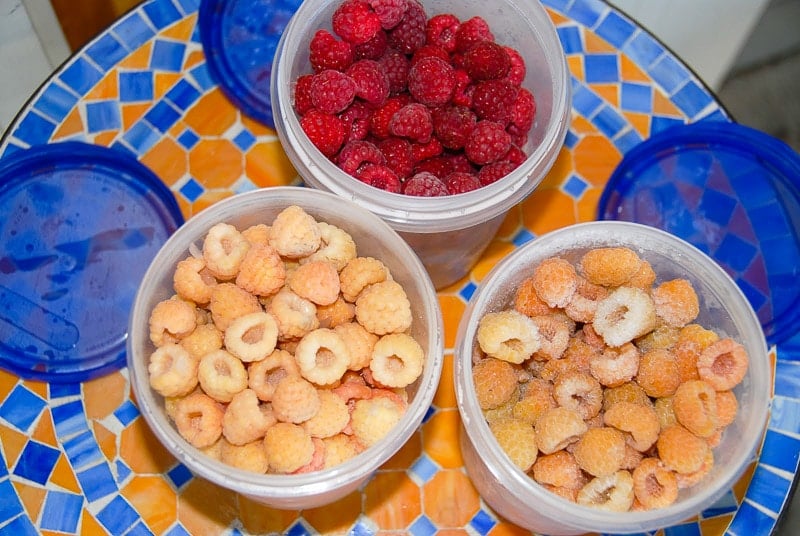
point(79, 459)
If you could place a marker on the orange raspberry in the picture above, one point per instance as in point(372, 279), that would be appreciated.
point(495, 381)
point(658, 373)
point(610, 266)
point(681, 450)
point(517, 439)
point(600, 451)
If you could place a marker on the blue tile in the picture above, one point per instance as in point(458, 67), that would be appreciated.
point(360, 529)
point(571, 40)
point(183, 95)
point(571, 139)
point(785, 413)
point(177, 530)
point(10, 149)
point(587, 12)
point(162, 116)
point(81, 76)
point(643, 49)
point(139, 529)
point(768, 489)
point(188, 139)
point(97, 482)
point(141, 137)
point(726, 504)
point(122, 471)
point(669, 73)
point(3, 468)
point(202, 77)
point(162, 13)
point(56, 102)
point(429, 413)
point(661, 122)
point(167, 55)
point(422, 526)
point(117, 516)
point(10, 505)
point(126, 413)
point(34, 129)
point(102, 115)
point(61, 512)
point(189, 6)
point(627, 141)
point(21, 526)
point(636, 97)
point(424, 468)
point(691, 99)
point(717, 207)
point(615, 29)
point(751, 520)
point(63, 390)
point(36, 462)
point(69, 419)
point(133, 30)
point(244, 140)
point(192, 190)
point(780, 451)
point(787, 379)
point(180, 475)
point(298, 529)
point(558, 5)
point(601, 68)
point(467, 291)
point(482, 523)
point(609, 121)
point(21, 408)
point(135, 86)
point(107, 51)
point(82, 450)
point(735, 253)
point(687, 529)
point(585, 101)
point(575, 186)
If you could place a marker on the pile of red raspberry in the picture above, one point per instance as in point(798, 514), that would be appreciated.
point(411, 104)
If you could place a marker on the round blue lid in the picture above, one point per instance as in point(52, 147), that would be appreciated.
point(80, 225)
point(239, 39)
point(731, 191)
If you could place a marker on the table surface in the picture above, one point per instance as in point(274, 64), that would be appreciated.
point(79, 458)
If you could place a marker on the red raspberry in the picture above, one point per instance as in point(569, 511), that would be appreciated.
point(486, 60)
point(516, 74)
point(427, 50)
point(441, 166)
point(355, 21)
point(462, 93)
point(395, 64)
point(409, 34)
point(302, 94)
point(423, 151)
point(487, 142)
point(372, 85)
point(356, 153)
point(412, 121)
point(380, 177)
point(327, 52)
point(431, 81)
point(390, 12)
point(494, 100)
point(332, 91)
point(459, 182)
point(326, 131)
point(397, 152)
point(372, 49)
point(523, 112)
point(356, 119)
point(452, 125)
point(425, 185)
point(472, 31)
point(441, 29)
point(495, 171)
point(379, 122)
point(515, 155)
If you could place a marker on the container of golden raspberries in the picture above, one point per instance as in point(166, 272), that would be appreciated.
point(284, 343)
point(611, 378)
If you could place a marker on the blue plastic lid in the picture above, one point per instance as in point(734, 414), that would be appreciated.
point(80, 224)
point(731, 191)
point(239, 39)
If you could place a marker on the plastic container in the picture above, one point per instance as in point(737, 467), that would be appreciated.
point(448, 233)
point(373, 238)
point(515, 495)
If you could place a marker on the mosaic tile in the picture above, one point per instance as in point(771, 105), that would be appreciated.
point(21, 408)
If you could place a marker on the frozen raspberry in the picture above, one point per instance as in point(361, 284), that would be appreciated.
point(438, 165)
point(472, 31)
point(460, 162)
point(452, 125)
point(380, 177)
point(425, 185)
point(390, 12)
point(412, 121)
point(515, 155)
point(423, 151)
point(332, 91)
point(356, 153)
point(516, 74)
point(302, 94)
point(326, 131)
point(460, 182)
point(372, 85)
point(495, 171)
point(487, 142)
point(409, 34)
point(372, 49)
point(395, 64)
point(397, 152)
point(356, 119)
point(486, 60)
point(328, 52)
point(427, 50)
point(355, 21)
point(441, 29)
point(379, 122)
point(464, 87)
point(431, 81)
point(523, 112)
point(494, 100)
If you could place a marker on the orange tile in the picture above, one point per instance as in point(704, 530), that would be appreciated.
point(40, 388)
point(547, 210)
point(452, 309)
point(64, 476)
point(266, 164)
point(107, 88)
point(337, 517)
point(440, 438)
point(630, 72)
point(142, 451)
point(72, 124)
point(408, 453)
point(106, 440)
point(596, 158)
point(216, 163)
point(183, 29)
point(505, 528)
point(31, 497)
point(205, 508)
point(575, 65)
point(168, 160)
point(208, 198)
point(716, 525)
point(138, 59)
point(45, 432)
point(392, 500)
point(582, 125)
point(12, 442)
point(640, 122)
point(104, 395)
point(90, 526)
point(594, 43)
point(741, 485)
point(587, 204)
point(106, 138)
point(212, 115)
point(184, 205)
point(154, 500)
point(451, 532)
point(260, 519)
point(558, 18)
point(493, 254)
point(560, 172)
point(163, 82)
point(131, 113)
point(510, 226)
point(256, 128)
point(7, 383)
point(450, 499)
point(607, 92)
point(445, 397)
point(663, 106)
point(193, 59)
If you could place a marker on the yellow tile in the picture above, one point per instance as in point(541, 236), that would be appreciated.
point(13, 442)
point(445, 397)
point(154, 500)
point(452, 310)
point(558, 18)
point(581, 125)
point(260, 519)
point(216, 163)
point(547, 210)
point(205, 508)
point(715, 525)
point(587, 204)
point(505, 528)
point(596, 158)
point(337, 517)
point(31, 497)
point(193, 59)
point(450, 499)
point(440, 438)
point(451, 532)
point(106, 440)
point(142, 451)
point(266, 164)
point(407, 454)
point(510, 226)
point(392, 500)
point(104, 395)
point(208, 198)
point(64, 476)
point(212, 115)
point(168, 160)
point(740, 488)
point(45, 431)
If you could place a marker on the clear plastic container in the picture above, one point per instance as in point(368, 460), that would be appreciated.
point(373, 237)
point(448, 233)
point(723, 307)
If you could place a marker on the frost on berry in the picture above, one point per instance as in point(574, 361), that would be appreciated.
point(397, 152)
point(412, 121)
point(423, 151)
point(356, 153)
point(460, 182)
point(425, 184)
point(327, 132)
point(328, 52)
point(372, 49)
point(395, 64)
point(355, 21)
point(453, 124)
point(302, 94)
point(390, 12)
point(486, 60)
point(409, 34)
point(380, 119)
point(472, 31)
point(356, 119)
point(371, 81)
point(487, 142)
point(516, 74)
point(441, 29)
point(494, 100)
point(332, 91)
point(379, 176)
point(495, 171)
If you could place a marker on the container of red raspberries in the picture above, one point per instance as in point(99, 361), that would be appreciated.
point(437, 116)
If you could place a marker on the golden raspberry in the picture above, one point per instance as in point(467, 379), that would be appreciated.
point(681, 450)
point(610, 266)
point(288, 446)
point(658, 373)
point(384, 308)
point(600, 451)
point(558, 428)
point(517, 439)
point(495, 382)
